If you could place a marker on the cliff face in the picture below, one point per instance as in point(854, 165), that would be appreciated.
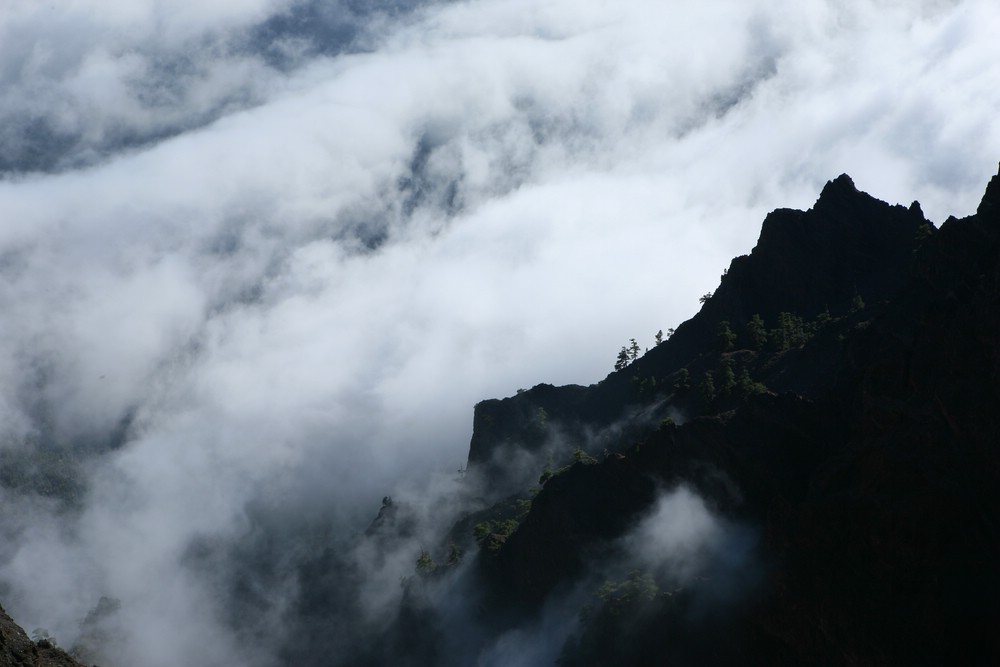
point(870, 465)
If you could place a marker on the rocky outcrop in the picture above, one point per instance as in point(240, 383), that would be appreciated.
point(17, 650)
point(848, 245)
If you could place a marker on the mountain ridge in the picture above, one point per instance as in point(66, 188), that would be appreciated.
point(782, 273)
point(862, 463)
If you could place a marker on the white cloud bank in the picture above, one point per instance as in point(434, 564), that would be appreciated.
point(296, 280)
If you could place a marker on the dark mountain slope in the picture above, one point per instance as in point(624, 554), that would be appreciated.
point(895, 555)
point(871, 468)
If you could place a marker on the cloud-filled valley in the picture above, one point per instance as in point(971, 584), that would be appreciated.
point(259, 260)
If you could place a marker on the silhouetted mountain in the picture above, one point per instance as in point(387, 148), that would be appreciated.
point(870, 465)
point(848, 246)
point(856, 432)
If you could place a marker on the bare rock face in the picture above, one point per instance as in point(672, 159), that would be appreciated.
point(17, 650)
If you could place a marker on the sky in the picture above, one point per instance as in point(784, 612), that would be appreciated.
point(272, 252)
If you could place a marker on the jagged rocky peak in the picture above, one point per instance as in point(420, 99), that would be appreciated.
point(989, 207)
point(843, 184)
point(848, 244)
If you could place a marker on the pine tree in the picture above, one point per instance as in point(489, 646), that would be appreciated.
point(725, 339)
point(707, 388)
point(756, 333)
point(789, 333)
point(425, 564)
point(727, 378)
point(747, 387)
point(683, 381)
point(822, 320)
point(622, 360)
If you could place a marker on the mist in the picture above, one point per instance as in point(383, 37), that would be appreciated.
point(259, 261)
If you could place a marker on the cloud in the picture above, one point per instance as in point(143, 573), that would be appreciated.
point(283, 272)
point(677, 573)
point(682, 541)
point(95, 79)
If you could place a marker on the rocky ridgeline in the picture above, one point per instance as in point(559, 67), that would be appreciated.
point(848, 247)
point(866, 450)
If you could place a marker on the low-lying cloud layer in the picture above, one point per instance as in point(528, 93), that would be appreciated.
point(270, 253)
